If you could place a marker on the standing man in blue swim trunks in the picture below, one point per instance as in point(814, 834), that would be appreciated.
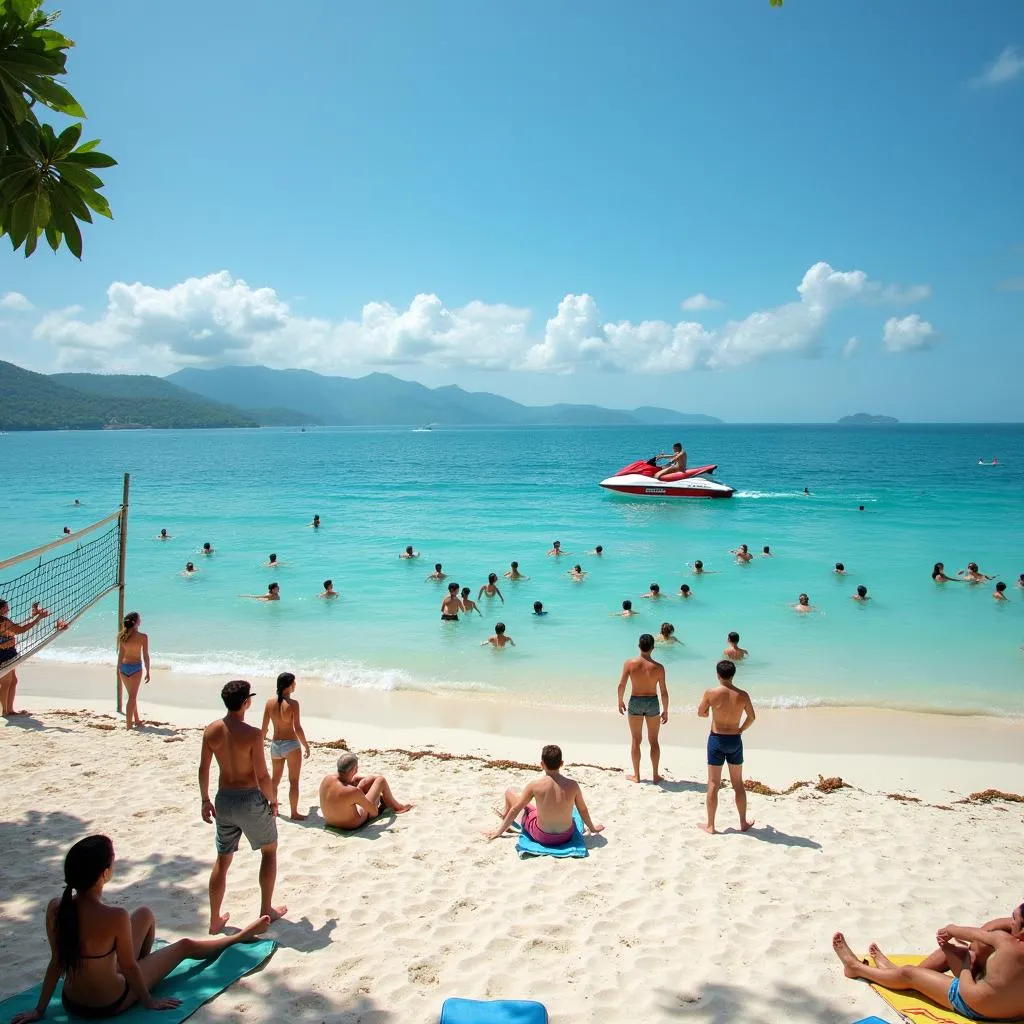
point(731, 715)
point(647, 679)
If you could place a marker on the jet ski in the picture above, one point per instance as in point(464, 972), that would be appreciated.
point(638, 478)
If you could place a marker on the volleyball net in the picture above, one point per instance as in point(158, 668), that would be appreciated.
point(65, 579)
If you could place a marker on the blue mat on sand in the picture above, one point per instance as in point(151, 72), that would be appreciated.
point(194, 982)
point(501, 1011)
point(526, 847)
point(871, 1020)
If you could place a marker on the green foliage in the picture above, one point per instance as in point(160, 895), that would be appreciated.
point(47, 184)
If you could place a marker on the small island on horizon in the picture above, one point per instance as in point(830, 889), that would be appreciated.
point(867, 418)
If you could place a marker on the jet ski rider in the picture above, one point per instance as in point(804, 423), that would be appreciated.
point(676, 461)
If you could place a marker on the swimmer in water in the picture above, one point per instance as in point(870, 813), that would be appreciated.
point(437, 575)
point(999, 594)
point(599, 550)
point(538, 608)
point(468, 604)
point(667, 634)
point(861, 595)
point(860, 508)
point(76, 502)
point(316, 523)
point(556, 549)
point(490, 588)
point(409, 553)
point(803, 604)
point(500, 639)
point(189, 570)
point(273, 594)
point(627, 610)
point(766, 552)
point(685, 592)
point(939, 574)
point(207, 548)
point(577, 573)
point(67, 530)
point(807, 492)
point(699, 570)
point(272, 562)
point(840, 569)
point(450, 604)
point(1020, 581)
point(329, 590)
point(743, 555)
point(733, 651)
point(514, 573)
point(654, 593)
point(163, 535)
point(973, 575)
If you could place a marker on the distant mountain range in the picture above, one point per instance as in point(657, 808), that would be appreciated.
point(380, 399)
point(868, 419)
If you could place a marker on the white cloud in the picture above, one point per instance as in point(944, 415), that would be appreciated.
point(851, 346)
point(218, 319)
point(908, 334)
point(15, 301)
point(700, 301)
point(1006, 67)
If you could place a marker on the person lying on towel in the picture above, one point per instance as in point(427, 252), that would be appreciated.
point(987, 964)
point(555, 796)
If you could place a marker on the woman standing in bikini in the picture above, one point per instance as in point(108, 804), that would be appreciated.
point(105, 955)
point(132, 658)
point(9, 633)
point(283, 712)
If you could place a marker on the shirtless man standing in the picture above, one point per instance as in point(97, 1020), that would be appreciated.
point(245, 803)
point(731, 715)
point(676, 461)
point(647, 679)
point(555, 796)
point(349, 800)
point(451, 605)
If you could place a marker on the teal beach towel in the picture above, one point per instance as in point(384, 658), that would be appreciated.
point(194, 982)
point(501, 1011)
point(527, 847)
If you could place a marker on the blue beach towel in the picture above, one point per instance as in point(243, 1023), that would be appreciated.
point(501, 1011)
point(526, 847)
point(194, 982)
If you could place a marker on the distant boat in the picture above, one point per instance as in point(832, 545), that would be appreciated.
point(982, 462)
point(425, 429)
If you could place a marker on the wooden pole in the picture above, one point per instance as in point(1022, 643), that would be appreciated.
point(122, 557)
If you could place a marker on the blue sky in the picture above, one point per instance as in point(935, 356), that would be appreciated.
point(290, 183)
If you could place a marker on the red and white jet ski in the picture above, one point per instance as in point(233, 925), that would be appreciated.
point(638, 478)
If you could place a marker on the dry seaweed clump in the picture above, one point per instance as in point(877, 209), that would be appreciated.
point(903, 798)
point(333, 745)
point(830, 785)
point(753, 786)
point(989, 796)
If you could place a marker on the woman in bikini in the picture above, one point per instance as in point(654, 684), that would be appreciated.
point(105, 955)
point(9, 633)
point(490, 588)
point(283, 712)
point(939, 574)
point(132, 658)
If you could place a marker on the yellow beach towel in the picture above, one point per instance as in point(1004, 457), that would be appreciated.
point(914, 1007)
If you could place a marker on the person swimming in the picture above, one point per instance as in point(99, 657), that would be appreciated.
point(627, 610)
point(666, 634)
point(733, 651)
point(1020, 581)
point(598, 550)
point(766, 552)
point(316, 523)
point(468, 604)
point(189, 570)
point(654, 592)
point(438, 574)
point(577, 573)
point(538, 608)
point(939, 574)
point(490, 588)
point(972, 574)
point(699, 570)
point(409, 552)
point(500, 638)
point(743, 555)
point(450, 604)
point(163, 535)
point(329, 590)
point(556, 549)
point(514, 573)
point(840, 569)
point(271, 562)
point(67, 531)
point(999, 594)
point(685, 591)
point(803, 604)
point(861, 595)
point(273, 594)
point(207, 548)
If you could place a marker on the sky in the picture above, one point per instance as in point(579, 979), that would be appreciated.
point(765, 214)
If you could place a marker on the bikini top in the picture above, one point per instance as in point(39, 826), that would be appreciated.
point(100, 956)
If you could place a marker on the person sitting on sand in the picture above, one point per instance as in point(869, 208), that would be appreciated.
point(438, 575)
point(733, 651)
point(163, 535)
point(538, 608)
point(189, 570)
point(556, 549)
point(667, 634)
point(684, 591)
point(627, 610)
point(840, 569)
point(316, 523)
point(289, 744)
point(329, 591)
point(999, 594)
point(861, 595)
point(973, 575)
point(409, 552)
point(653, 593)
point(577, 574)
point(245, 803)
point(731, 714)
point(104, 954)
point(743, 555)
point(132, 659)
point(273, 593)
point(803, 604)
point(500, 639)
point(207, 548)
point(646, 678)
point(9, 632)
point(939, 574)
point(546, 805)
point(490, 588)
point(468, 604)
point(993, 993)
point(349, 800)
point(514, 573)
point(450, 604)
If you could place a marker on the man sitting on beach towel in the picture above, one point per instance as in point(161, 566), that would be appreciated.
point(349, 800)
point(555, 795)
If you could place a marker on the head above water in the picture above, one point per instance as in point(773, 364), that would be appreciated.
point(1000, 587)
point(285, 685)
point(492, 577)
point(698, 564)
point(862, 591)
point(408, 550)
point(803, 599)
point(272, 558)
point(734, 637)
point(556, 544)
point(766, 550)
point(347, 765)
point(726, 670)
point(538, 606)
point(465, 590)
point(646, 643)
point(938, 567)
point(577, 568)
point(328, 584)
point(89, 861)
point(599, 549)
point(235, 694)
point(667, 629)
point(972, 566)
point(207, 546)
point(515, 565)
point(274, 588)
point(627, 605)
point(743, 548)
point(499, 628)
point(189, 567)
point(655, 589)
point(453, 587)
point(684, 588)
point(437, 567)
point(163, 532)
point(551, 757)
point(840, 567)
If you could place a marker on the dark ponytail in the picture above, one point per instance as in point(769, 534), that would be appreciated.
point(130, 624)
point(85, 863)
point(284, 680)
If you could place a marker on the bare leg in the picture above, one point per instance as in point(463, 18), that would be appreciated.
point(268, 878)
point(8, 688)
point(276, 771)
point(653, 730)
point(740, 793)
point(636, 731)
point(714, 785)
point(380, 790)
point(929, 983)
point(294, 770)
point(143, 931)
point(131, 709)
point(218, 883)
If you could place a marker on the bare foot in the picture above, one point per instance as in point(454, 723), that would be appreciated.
point(295, 816)
point(656, 779)
point(18, 714)
point(851, 965)
point(881, 960)
point(745, 826)
point(217, 923)
point(258, 927)
point(276, 913)
point(632, 778)
point(402, 808)
point(704, 827)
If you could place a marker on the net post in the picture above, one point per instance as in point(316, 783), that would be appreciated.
point(122, 557)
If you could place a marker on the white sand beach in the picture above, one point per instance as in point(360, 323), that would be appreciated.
point(660, 923)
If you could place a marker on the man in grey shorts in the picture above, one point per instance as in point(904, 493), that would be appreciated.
point(647, 679)
point(245, 802)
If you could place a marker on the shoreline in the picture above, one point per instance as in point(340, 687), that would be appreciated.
point(930, 755)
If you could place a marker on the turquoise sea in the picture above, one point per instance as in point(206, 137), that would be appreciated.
point(474, 499)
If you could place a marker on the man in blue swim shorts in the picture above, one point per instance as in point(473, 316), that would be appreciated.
point(647, 680)
point(731, 715)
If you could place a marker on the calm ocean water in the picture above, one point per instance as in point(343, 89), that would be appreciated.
point(476, 499)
